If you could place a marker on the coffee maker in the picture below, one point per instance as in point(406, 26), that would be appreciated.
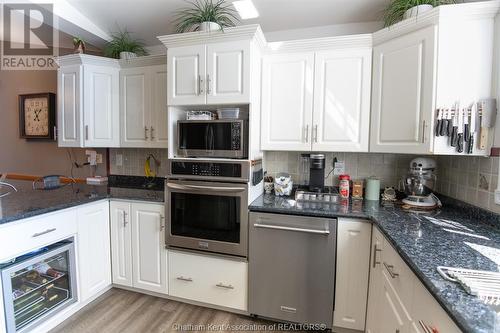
point(317, 172)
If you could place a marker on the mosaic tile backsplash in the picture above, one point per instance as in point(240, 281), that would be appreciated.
point(133, 160)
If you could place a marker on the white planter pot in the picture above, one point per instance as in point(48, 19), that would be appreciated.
point(209, 26)
point(414, 11)
point(127, 55)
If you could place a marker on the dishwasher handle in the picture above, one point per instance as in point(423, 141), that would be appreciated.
point(279, 227)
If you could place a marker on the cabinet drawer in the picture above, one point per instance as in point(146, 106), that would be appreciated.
point(35, 232)
point(401, 277)
point(207, 279)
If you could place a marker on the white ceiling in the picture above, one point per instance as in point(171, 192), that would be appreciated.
point(150, 18)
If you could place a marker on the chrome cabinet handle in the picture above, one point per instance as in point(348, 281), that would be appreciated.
point(182, 278)
point(423, 132)
point(375, 250)
point(146, 132)
point(426, 328)
point(124, 219)
point(279, 227)
point(44, 232)
point(222, 285)
point(55, 133)
point(316, 133)
point(200, 83)
point(208, 84)
point(307, 133)
point(390, 270)
point(86, 132)
point(162, 223)
point(152, 133)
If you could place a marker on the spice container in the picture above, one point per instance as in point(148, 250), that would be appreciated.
point(357, 189)
point(344, 186)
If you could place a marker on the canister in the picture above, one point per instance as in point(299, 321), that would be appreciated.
point(372, 188)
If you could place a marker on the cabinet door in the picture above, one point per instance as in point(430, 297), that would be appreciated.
point(287, 103)
point(134, 107)
point(101, 105)
point(121, 243)
point(353, 257)
point(403, 93)
point(94, 257)
point(392, 314)
point(186, 78)
point(69, 106)
point(375, 286)
point(148, 247)
point(341, 116)
point(158, 124)
point(228, 73)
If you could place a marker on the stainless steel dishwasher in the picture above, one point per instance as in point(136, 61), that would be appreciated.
point(292, 268)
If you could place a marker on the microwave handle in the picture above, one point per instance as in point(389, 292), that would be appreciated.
point(204, 188)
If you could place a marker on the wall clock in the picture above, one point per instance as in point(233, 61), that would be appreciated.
point(37, 116)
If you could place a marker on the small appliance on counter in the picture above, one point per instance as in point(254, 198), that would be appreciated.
point(419, 183)
point(317, 172)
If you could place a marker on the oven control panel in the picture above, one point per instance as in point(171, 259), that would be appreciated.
point(206, 169)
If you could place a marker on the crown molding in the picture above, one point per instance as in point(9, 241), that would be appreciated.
point(440, 15)
point(143, 61)
point(86, 59)
point(323, 43)
point(243, 32)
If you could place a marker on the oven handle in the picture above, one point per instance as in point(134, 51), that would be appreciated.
point(204, 188)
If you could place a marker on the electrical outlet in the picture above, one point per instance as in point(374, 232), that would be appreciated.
point(98, 158)
point(119, 160)
point(497, 197)
point(91, 157)
point(339, 168)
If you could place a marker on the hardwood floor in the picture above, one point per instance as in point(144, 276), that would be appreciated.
point(123, 311)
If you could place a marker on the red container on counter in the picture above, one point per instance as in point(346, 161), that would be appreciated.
point(344, 186)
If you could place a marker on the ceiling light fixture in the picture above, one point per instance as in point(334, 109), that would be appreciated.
point(246, 9)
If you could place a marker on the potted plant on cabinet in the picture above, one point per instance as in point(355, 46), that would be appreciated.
point(206, 15)
point(79, 45)
point(123, 46)
point(401, 9)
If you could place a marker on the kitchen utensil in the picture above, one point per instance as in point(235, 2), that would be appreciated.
point(419, 183)
point(488, 114)
point(449, 122)
point(439, 122)
point(473, 121)
point(460, 131)
point(443, 130)
point(454, 129)
point(466, 125)
point(372, 188)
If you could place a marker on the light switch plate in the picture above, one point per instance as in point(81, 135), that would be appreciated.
point(339, 168)
point(497, 197)
point(119, 160)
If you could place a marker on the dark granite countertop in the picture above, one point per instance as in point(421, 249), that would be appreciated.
point(27, 202)
point(457, 235)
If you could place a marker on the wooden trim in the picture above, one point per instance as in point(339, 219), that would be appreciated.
point(495, 151)
point(17, 176)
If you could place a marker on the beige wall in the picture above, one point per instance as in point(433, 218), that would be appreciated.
point(31, 157)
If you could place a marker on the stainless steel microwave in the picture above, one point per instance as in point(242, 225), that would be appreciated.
point(225, 138)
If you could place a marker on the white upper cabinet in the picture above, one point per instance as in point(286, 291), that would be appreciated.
point(212, 68)
point(287, 101)
point(341, 116)
point(88, 101)
point(317, 100)
point(187, 74)
point(403, 75)
point(228, 70)
point(425, 63)
point(143, 103)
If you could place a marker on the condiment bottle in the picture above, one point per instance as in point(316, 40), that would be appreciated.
point(344, 186)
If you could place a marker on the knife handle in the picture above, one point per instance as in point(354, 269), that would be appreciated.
point(460, 143)
point(438, 127)
point(454, 137)
point(466, 132)
point(483, 138)
point(470, 146)
point(443, 127)
point(449, 128)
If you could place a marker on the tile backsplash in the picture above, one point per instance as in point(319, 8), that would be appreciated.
point(467, 178)
point(133, 160)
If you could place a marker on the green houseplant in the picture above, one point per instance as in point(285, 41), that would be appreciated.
point(79, 45)
point(205, 15)
point(123, 46)
point(401, 9)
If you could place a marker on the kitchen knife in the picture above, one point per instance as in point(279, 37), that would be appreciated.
point(488, 114)
point(449, 122)
point(454, 128)
point(460, 131)
point(473, 118)
point(443, 130)
point(439, 122)
point(466, 125)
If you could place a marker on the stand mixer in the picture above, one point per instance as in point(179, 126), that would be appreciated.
point(419, 183)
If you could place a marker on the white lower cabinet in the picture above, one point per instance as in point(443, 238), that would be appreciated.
point(94, 261)
point(353, 255)
point(138, 247)
point(207, 279)
point(397, 301)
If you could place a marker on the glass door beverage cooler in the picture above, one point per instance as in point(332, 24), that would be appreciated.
point(38, 284)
